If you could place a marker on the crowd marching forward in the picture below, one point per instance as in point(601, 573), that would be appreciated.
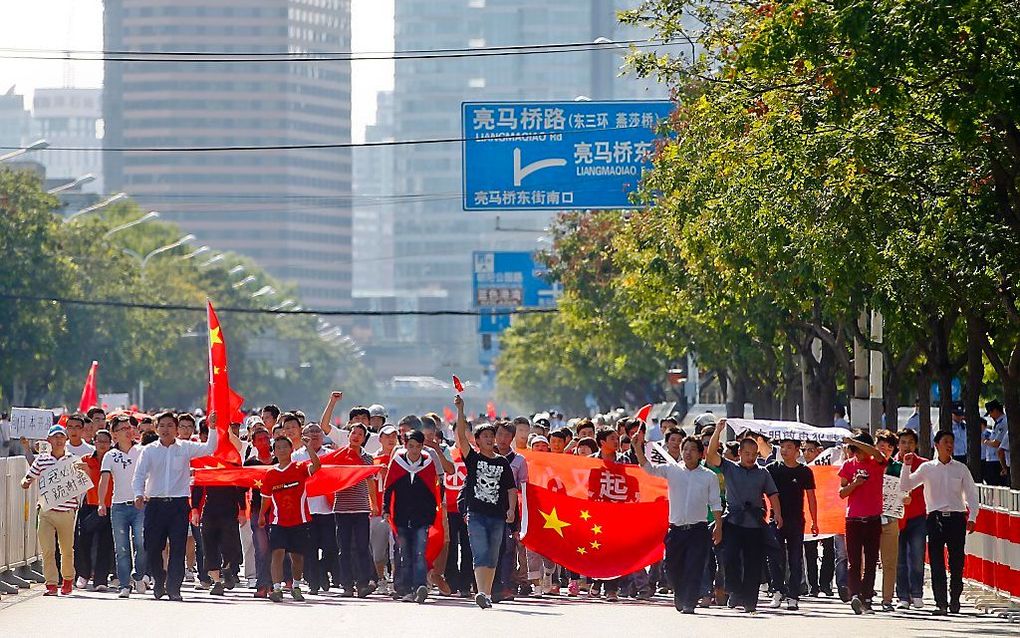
point(743, 516)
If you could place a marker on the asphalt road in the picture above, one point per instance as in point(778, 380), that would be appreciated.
point(86, 614)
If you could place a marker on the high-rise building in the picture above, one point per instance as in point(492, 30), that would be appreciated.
point(375, 205)
point(433, 237)
point(15, 120)
point(70, 118)
point(288, 209)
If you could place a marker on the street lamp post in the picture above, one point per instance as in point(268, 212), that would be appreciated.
point(197, 251)
point(141, 220)
point(212, 260)
point(97, 206)
point(37, 145)
point(74, 183)
point(144, 261)
point(244, 282)
point(264, 290)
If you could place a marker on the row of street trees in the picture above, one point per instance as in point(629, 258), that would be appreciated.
point(46, 346)
point(826, 160)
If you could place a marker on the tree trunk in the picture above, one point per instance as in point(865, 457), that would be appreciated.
point(818, 378)
point(1011, 402)
point(924, 410)
point(736, 396)
point(943, 369)
point(972, 395)
point(892, 396)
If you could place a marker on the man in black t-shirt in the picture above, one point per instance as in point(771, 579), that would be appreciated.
point(793, 479)
point(489, 500)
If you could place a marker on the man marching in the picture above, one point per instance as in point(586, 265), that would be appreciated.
point(693, 492)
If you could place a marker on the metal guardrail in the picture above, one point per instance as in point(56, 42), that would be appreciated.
point(992, 582)
point(19, 543)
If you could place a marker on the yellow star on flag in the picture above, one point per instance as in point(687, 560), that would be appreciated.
point(214, 336)
point(596, 529)
point(216, 370)
point(582, 551)
point(596, 544)
point(553, 522)
point(585, 515)
point(258, 483)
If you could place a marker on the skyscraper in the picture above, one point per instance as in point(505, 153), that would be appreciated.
point(288, 209)
point(433, 237)
point(69, 117)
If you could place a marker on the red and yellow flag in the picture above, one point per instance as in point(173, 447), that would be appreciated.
point(89, 393)
point(221, 399)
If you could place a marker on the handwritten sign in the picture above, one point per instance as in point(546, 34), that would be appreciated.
point(62, 481)
point(30, 423)
point(892, 497)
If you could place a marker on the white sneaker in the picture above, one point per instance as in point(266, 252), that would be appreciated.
point(904, 604)
point(792, 604)
point(115, 583)
point(777, 600)
point(125, 592)
point(384, 588)
point(140, 586)
point(917, 603)
point(189, 576)
point(202, 585)
point(81, 583)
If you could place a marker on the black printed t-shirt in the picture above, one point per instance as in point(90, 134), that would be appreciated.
point(488, 484)
point(791, 483)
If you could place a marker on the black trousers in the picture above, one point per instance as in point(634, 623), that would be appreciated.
point(787, 558)
point(352, 537)
point(459, 572)
point(820, 580)
point(166, 521)
point(686, 555)
point(93, 545)
point(322, 560)
point(745, 550)
point(221, 540)
point(947, 534)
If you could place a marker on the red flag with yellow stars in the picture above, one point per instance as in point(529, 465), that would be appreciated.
point(221, 399)
point(596, 539)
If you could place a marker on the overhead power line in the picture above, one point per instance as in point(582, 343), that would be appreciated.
point(266, 311)
point(334, 56)
point(524, 135)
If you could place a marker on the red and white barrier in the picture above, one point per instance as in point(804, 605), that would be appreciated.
point(993, 550)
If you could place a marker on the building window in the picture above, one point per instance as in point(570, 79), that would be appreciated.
point(476, 83)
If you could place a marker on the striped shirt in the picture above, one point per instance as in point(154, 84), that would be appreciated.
point(354, 500)
point(42, 463)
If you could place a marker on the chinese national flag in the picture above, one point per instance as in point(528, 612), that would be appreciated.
point(490, 410)
point(399, 468)
point(221, 399)
point(596, 539)
point(89, 393)
point(328, 480)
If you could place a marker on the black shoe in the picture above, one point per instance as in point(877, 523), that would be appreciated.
point(176, 598)
point(844, 594)
point(465, 593)
point(687, 610)
point(814, 593)
point(826, 591)
point(857, 605)
point(954, 608)
point(313, 590)
point(217, 589)
point(939, 611)
point(158, 592)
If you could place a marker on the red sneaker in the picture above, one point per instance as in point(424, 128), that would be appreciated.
point(65, 589)
point(51, 590)
point(262, 592)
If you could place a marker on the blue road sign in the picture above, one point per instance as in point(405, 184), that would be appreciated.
point(556, 155)
point(510, 280)
point(492, 324)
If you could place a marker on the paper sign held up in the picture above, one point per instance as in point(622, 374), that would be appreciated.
point(30, 423)
point(62, 481)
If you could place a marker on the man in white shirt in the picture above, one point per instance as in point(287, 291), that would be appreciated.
point(162, 487)
point(119, 466)
point(949, 491)
point(76, 443)
point(693, 492)
point(323, 528)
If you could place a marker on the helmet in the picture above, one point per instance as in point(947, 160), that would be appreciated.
point(377, 410)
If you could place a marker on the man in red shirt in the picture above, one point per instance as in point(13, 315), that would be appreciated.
point(91, 529)
point(861, 481)
point(913, 529)
point(284, 488)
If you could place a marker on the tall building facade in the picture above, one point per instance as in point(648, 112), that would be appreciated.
point(71, 118)
point(374, 205)
point(15, 120)
point(433, 237)
point(288, 209)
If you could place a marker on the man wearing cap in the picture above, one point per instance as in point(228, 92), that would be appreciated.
point(119, 467)
point(959, 425)
point(322, 530)
point(162, 486)
point(379, 535)
point(995, 471)
point(56, 522)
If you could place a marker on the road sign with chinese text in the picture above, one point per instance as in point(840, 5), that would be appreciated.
point(557, 155)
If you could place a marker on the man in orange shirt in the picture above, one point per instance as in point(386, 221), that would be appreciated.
point(92, 529)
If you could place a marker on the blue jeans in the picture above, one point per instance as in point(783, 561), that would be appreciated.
point(485, 534)
point(126, 521)
point(842, 568)
point(411, 541)
point(910, 566)
point(260, 539)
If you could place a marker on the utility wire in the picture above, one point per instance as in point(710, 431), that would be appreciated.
point(325, 145)
point(266, 311)
point(193, 57)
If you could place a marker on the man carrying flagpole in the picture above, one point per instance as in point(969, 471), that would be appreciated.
point(693, 493)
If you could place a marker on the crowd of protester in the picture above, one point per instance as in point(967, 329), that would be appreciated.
point(742, 514)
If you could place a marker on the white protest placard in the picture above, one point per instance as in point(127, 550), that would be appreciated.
point(892, 496)
point(114, 401)
point(776, 430)
point(62, 481)
point(30, 423)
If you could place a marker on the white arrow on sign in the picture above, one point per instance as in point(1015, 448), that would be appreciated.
point(520, 172)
